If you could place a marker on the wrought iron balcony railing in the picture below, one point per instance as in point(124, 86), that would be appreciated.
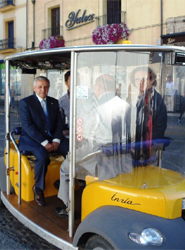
point(7, 43)
point(46, 33)
point(6, 3)
point(108, 19)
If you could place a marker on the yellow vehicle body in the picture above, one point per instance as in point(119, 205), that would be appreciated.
point(27, 174)
point(149, 189)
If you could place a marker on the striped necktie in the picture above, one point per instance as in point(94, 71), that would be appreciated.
point(43, 104)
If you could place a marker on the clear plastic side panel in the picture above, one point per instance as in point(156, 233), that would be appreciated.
point(127, 118)
point(174, 99)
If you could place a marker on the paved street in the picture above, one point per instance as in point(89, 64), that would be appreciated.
point(13, 235)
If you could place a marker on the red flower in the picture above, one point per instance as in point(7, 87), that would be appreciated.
point(110, 33)
point(52, 42)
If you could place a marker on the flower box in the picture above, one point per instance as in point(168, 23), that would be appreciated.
point(52, 42)
point(110, 33)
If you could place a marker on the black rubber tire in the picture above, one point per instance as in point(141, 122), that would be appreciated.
point(98, 242)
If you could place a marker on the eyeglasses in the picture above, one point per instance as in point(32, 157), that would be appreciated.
point(140, 79)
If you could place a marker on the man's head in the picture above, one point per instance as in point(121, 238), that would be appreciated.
point(41, 86)
point(143, 78)
point(169, 78)
point(67, 78)
point(103, 84)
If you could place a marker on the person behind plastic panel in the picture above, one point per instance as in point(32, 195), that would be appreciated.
point(12, 96)
point(118, 91)
point(170, 94)
point(182, 108)
point(109, 121)
point(41, 132)
point(151, 115)
point(64, 102)
point(112, 133)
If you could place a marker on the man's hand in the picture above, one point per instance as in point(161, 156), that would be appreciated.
point(141, 86)
point(49, 147)
point(55, 145)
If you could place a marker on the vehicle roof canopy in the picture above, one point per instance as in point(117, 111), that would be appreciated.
point(60, 58)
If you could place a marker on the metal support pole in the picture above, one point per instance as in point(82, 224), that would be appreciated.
point(33, 42)
point(72, 146)
point(161, 20)
point(160, 158)
point(7, 119)
point(19, 166)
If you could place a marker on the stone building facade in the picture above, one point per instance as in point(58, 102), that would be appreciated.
point(75, 19)
point(12, 37)
point(150, 21)
point(25, 23)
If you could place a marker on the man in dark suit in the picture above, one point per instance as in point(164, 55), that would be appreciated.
point(151, 116)
point(42, 128)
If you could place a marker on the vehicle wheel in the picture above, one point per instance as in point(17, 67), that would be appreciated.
point(96, 242)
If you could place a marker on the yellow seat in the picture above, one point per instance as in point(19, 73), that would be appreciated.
point(27, 174)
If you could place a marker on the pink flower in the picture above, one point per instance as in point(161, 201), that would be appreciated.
point(52, 42)
point(110, 33)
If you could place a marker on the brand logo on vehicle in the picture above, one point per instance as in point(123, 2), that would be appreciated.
point(127, 201)
point(73, 19)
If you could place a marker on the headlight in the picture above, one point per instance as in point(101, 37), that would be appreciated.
point(153, 236)
point(148, 236)
point(137, 238)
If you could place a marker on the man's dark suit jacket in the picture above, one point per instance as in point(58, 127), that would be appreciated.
point(34, 125)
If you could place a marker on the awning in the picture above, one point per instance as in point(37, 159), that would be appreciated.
point(173, 38)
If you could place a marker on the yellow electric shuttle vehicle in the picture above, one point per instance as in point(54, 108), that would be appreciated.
point(127, 147)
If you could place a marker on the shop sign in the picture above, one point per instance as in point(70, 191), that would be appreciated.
point(75, 20)
point(171, 40)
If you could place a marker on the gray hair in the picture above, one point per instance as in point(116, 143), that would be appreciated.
point(41, 78)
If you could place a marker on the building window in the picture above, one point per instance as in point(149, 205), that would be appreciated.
point(9, 41)
point(113, 11)
point(55, 21)
point(5, 3)
point(11, 34)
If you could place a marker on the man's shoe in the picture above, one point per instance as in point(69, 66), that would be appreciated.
point(39, 198)
point(61, 212)
point(179, 122)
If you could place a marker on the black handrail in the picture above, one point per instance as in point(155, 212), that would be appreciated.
point(114, 18)
point(53, 31)
point(8, 43)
